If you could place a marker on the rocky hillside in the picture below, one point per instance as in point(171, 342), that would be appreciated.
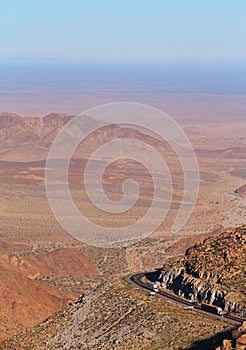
point(180, 247)
point(238, 341)
point(25, 296)
point(24, 301)
point(28, 137)
point(116, 316)
point(212, 271)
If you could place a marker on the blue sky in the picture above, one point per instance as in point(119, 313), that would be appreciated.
point(129, 31)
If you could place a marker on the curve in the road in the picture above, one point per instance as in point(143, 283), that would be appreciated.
point(136, 279)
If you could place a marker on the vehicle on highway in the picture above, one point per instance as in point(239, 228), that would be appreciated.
point(151, 293)
point(191, 307)
point(136, 279)
point(212, 308)
point(155, 288)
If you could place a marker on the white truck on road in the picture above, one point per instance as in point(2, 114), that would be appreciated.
point(155, 288)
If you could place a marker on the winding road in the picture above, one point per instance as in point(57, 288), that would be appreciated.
point(136, 280)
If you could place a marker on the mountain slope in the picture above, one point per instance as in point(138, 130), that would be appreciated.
point(213, 271)
point(23, 301)
point(117, 316)
point(23, 138)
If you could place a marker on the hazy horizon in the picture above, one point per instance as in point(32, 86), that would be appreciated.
point(180, 87)
point(186, 58)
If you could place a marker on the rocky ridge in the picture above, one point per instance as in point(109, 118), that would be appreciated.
point(212, 271)
point(25, 139)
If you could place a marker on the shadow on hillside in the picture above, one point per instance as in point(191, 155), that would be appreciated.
point(210, 343)
point(153, 276)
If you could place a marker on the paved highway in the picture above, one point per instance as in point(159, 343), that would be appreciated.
point(136, 280)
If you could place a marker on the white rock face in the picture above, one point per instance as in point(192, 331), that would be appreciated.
point(192, 288)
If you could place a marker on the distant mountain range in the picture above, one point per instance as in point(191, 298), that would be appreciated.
point(25, 139)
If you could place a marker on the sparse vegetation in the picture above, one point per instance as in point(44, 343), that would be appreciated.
point(117, 316)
